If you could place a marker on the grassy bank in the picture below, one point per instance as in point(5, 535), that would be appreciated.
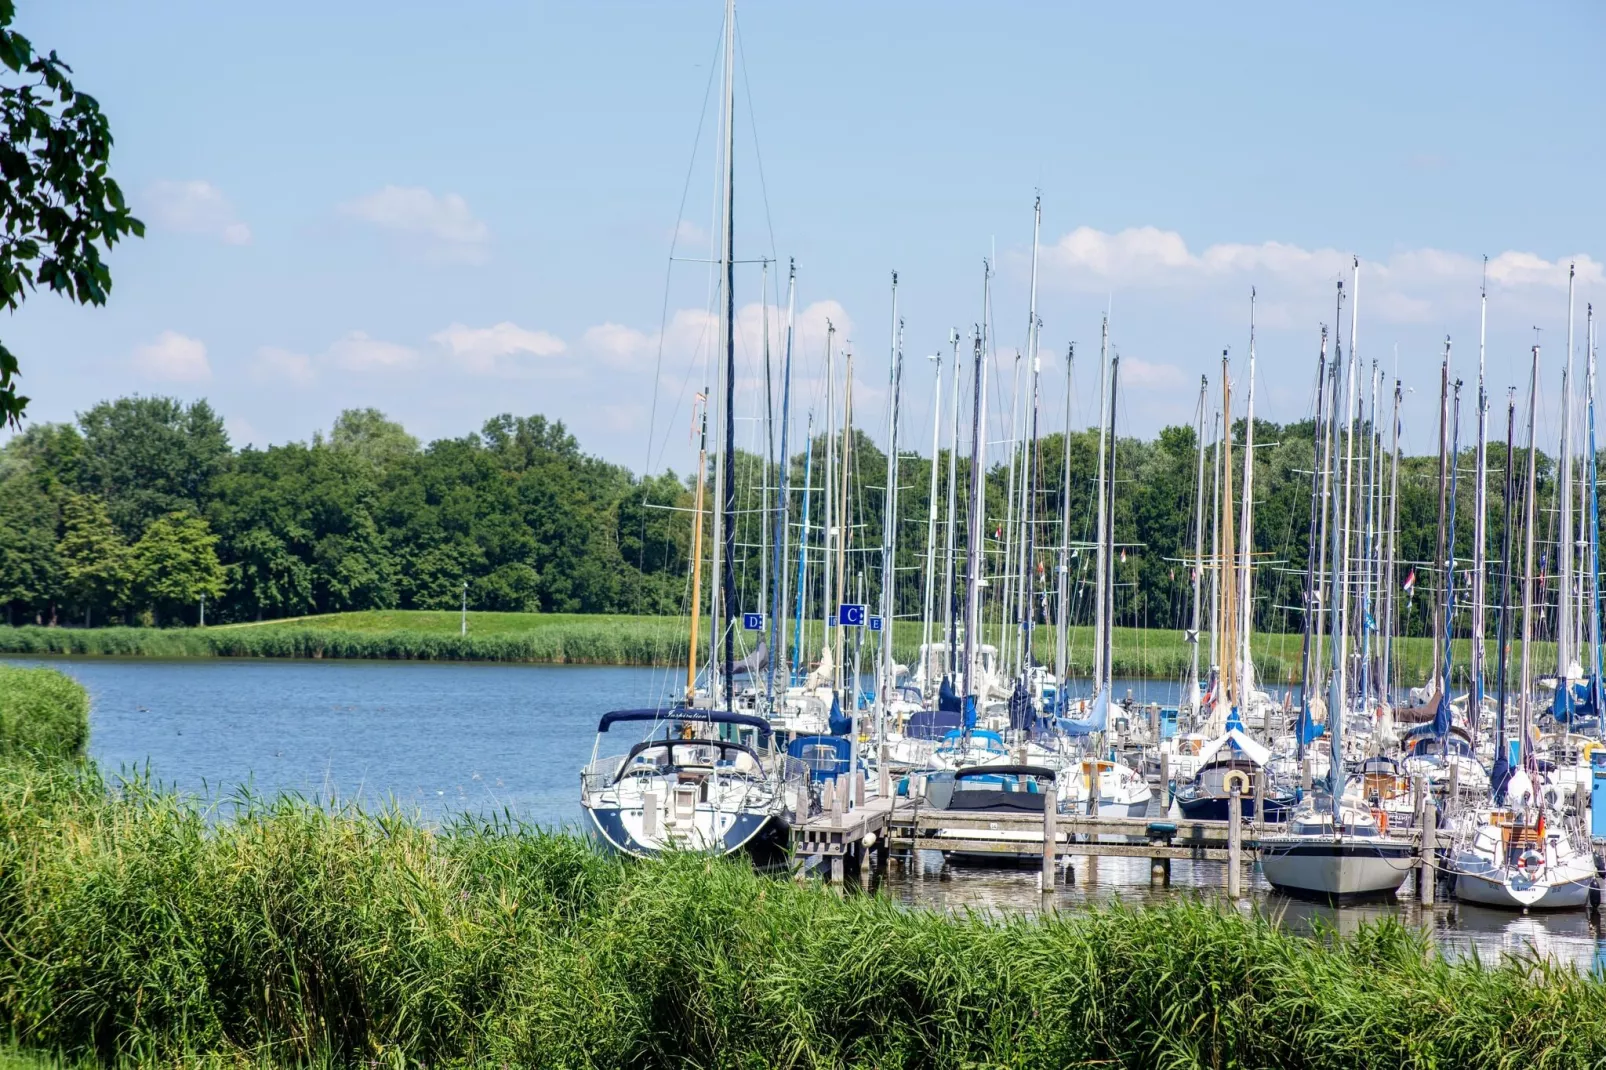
point(137, 930)
point(43, 714)
point(578, 639)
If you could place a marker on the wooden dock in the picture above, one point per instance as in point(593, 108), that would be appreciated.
point(854, 828)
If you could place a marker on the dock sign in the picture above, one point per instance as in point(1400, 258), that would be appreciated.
point(830, 622)
point(875, 624)
point(851, 615)
point(753, 622)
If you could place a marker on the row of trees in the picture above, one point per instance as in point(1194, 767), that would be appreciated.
point(140, 510)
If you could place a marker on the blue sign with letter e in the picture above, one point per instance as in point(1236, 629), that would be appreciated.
point(875, 624)
point(852, 616)
point(753, 622)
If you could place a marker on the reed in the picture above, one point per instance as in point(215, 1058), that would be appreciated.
point(43, 714)
point(275, 932)
point(576, 639)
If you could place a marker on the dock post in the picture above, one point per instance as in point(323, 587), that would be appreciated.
point(1419, 797)
point(838, 792)
point(838, 870)
point(1235, 845)
point(1305, 777)
point(1581, 807)
point(1260, 797)
point(883, 774)
point(858, 789)
point(1165, 781)
point(1045, 879)
point(1093, 792)
point(1427, 873)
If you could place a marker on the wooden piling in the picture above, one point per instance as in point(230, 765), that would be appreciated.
point(1165, 780)
point(858, 789)
point(883, 774)
point(1427, 872)
point(1260, 797)
point(1235, 845)
point(839, 801)
point(649, 814)
point(1045, 879)
point(1454, 789)
point(1306, 777)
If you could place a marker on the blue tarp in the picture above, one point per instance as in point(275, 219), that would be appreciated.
point(1097, 721)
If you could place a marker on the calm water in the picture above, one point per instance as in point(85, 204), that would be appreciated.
point(445, 738)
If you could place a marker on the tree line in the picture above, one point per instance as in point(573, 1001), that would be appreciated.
point(141, 510)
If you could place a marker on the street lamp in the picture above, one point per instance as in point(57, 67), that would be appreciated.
point(465, 608)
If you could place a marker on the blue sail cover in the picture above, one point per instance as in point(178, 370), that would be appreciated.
point(1020, 707)
point(1307, 728)
point(970, 712)
point(1441, 715)
point(947, 697)
point(1565, 702)
point(839, 723)
point(1096, 721)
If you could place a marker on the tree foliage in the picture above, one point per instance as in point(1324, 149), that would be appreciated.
point(58, 204)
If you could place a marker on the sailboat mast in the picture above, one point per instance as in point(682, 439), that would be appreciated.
point(1099, 562)
point(1028, 466)
point(829, 533)
point(1106, 685)
point(1594, 522)
point(728, 271)
point(1503, 624)
point(769, 434)
point(782, 502)
point(973, 536)
point(1062, 594)
point(889, 521)
point(1386, 664)
point(803, 551)
point(1338, 686)
point(1480, 520)
point(1198, 540)
point(697, 555)
point(1525, 681)
point(1312, 610)
point(845, 526)
point(1566, 636)
point(1444, 488)
point(1229, 553)
point(950, 609)
point(931, 522)
point(1246, 672)
point(1369, 553)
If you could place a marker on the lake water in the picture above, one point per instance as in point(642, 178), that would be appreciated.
point(445, 738)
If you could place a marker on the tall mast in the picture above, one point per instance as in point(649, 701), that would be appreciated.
point(697, 555)
point(1449, 571)
point(1062, 594)
point(1312, 609)
point(1480, 520)
point(728, 270)
point(1385, 667)
point(782, 502)
point(829, 533)
point(931, 522)
point(1594, 523)
point(1229, 553)
point(1338, 686)
point(950, 609)
point(1217, 423)
point(1246, 672)
point(1099, 563)
point(845, 524)
point(974, 562)
point(889, 520)
point(769, 435)
point(1007, 572)
point(1106, 684)
point(1525, 682)
point(1198, 543)
point(803, 551)
point(1369, 553)
point(1503, 624)
point(1444, 489)
point(1565, 633)
point(1028, 469)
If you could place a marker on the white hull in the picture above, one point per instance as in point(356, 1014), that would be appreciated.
point(1319, 866)
point(1496, 889)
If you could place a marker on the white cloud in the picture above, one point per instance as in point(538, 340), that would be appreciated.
point(1139, 374)
point(358, 352)
point(443, 223)
point(481, 349)
point(1408, 286)
point(617, 343)
point(195, 207)
point(174, 358)
point(688, 233)
point(282, 366)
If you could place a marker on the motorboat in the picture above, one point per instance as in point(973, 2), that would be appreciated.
point(1014, 789)
point(700, 781)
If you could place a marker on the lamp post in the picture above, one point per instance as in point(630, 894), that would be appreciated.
point(465, 608)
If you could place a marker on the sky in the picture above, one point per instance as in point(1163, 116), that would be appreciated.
point(452, 211)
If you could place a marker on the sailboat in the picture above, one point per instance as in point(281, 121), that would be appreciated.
point(1334, 846)
point(706, 778)
point(1517, 852)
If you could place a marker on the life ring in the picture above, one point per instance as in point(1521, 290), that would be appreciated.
point(1235, 777)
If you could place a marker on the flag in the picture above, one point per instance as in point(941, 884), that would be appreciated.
point(1410, 581)
point(1371, 622)
point(1123, 557)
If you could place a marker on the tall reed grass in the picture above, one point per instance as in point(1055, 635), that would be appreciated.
point(43, 714)
point(133, 924)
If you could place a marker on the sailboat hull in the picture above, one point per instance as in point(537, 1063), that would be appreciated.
point(1322, 868)
point(1494, 890)
point(762, 835)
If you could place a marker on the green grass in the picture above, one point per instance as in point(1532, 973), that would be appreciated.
point(625, 640)
point(42, 714)
point(139, 930)
point(134, 925)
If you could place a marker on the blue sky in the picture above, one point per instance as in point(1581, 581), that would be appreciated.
point(449, 211)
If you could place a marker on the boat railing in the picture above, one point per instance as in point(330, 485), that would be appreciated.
point(601, 773)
